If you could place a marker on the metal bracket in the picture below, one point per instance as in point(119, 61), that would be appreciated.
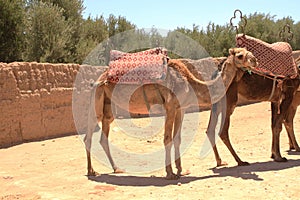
point(243, 19)
point(286, 34)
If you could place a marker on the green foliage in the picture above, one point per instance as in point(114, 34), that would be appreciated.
point(215, 39)
point(47, 33)
point(93, 31)
point(11, 30)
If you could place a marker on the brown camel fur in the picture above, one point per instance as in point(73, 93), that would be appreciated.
point(174, 105)
point(259, 88)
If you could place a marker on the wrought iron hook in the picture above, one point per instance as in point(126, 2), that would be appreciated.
point(289, 34)
point(241, 18)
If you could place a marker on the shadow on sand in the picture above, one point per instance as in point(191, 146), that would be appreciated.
point(244, 172)
point(249, 172)
point(293, 152)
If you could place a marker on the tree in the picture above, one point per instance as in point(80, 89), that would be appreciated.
point(11, 30)
point(93, 32)
point(47, 33)
point(118, 25)
point(296, 38)
point(72, 12)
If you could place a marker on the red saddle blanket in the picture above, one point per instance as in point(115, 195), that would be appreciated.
point(135, 68)
point(273, 59)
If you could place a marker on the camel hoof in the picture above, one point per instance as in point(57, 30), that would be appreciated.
point(282, 159)
point(172, 177)
point(297, 149)
point(92, 173)
point(292, 148)
point(243, 163)
point(222, 163)
point(119, 171)
point(188, 172)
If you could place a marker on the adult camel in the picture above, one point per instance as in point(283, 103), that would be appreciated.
point(254, 87)
point(178, 72)
point(289, 120)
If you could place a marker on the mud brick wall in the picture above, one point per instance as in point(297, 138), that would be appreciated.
point(36, 100)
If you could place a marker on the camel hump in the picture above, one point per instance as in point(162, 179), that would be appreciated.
point(273, 59)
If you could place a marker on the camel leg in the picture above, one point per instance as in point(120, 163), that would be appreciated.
point(276, 123)
point(278, 118)
point(88, 144)
point(169, 123)
point(225, 138)
point(289, 126)
point(96, 108)
point(230, 101)
point(211, 132)
point(107, 120)
point(177, 140)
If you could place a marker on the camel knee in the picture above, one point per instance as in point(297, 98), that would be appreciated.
point(224, 136)
point(177, 140)
point(103, 140)
point(177, 143)
point(167, 140)
point(277, 127)
point(108, 119)
point(88, 142)
point(99, 117)
point(107, 115)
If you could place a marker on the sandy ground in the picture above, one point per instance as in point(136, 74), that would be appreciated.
point(56, 168)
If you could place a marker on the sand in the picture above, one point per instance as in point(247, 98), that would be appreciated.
point(56, 168)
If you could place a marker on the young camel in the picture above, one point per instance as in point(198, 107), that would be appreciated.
point(259, 88)
point(174, 101)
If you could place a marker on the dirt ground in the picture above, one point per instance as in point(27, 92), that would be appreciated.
point(56, 168)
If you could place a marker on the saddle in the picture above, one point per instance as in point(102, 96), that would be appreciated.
point(274, 60)
point(137, 68)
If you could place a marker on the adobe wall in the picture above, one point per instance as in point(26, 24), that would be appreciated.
point(36, 100)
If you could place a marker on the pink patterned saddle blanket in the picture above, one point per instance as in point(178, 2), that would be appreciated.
point(273, 59)
point(135, 68)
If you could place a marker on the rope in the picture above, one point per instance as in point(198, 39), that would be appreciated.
point(145, 98)
point(159, 94)
point(273, 88)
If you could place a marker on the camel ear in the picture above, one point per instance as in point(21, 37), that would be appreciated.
point(231, 51)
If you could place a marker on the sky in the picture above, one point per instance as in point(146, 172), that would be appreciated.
point(169, 15)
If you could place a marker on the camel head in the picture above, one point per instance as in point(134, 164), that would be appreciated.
point(243, 59)
point(239, 58)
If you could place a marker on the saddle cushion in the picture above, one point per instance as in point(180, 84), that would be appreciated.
point(135, 68)
point(273, 59)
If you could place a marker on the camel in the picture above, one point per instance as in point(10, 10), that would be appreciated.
point(174, 100)
point(289, 121)
point(254, 87)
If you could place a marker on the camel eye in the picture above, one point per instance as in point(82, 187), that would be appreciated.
point(240, 57)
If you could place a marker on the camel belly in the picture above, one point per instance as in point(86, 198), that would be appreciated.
point(139, 99)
